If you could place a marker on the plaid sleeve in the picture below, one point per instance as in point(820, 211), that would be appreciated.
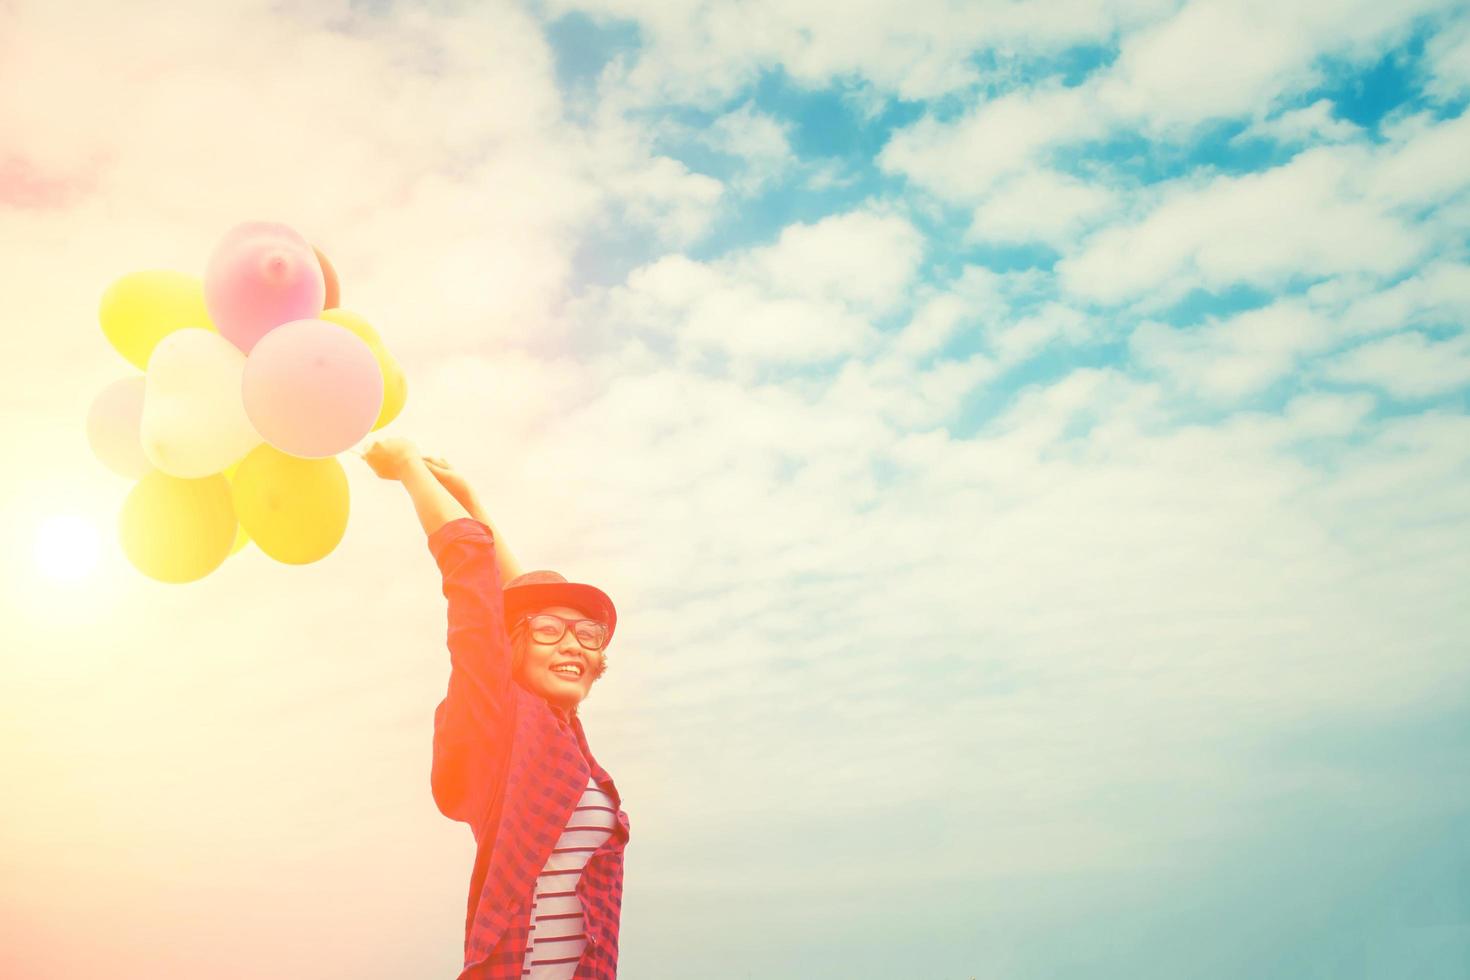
point(470, 724)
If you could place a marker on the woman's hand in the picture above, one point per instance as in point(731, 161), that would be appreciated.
point(453, 480)
point(388, 457)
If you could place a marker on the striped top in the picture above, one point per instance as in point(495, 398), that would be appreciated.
point(557, 937)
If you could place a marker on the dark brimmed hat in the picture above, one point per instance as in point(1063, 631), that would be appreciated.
point(537, 590)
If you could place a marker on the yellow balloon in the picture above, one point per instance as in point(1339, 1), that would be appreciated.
point(395, 385)
point(354, 323)
point(294, 508)
point(177, 530)
point(142, 308)
point(395, 390)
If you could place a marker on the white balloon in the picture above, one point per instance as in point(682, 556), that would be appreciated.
point(194, 421)
point(113, 423)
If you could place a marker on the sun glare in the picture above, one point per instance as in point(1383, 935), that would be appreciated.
point(67, 548)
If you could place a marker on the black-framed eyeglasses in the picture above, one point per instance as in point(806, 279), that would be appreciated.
point(550, 628)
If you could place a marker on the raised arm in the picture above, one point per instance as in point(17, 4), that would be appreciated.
point(474, 722)
point(441, 494)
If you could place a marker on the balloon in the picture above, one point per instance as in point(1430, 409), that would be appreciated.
point(355, 323)
point(261, 275)
point(193, 422)
point(395, 385)
point(175, 530)
point(312, 388)
point(141, 308)
point(294, 509)
point(334, 290)
point(113, 424)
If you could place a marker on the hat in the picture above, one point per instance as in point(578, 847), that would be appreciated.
point(537, 590)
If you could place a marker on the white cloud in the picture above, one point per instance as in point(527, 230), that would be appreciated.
point(1224, 58)
point(365, 129)
point(1329, 211)
point(1054, 324)
point(665, 196)
point(1316, 415)
point(706, 311)
point(1041, 205)
point(808, 297)
point(759, 140)
point(960, 161)
point(1436, 295)
point(1234, 357)
point(1447, 57)
point(1314, 123)
point(703, 53)
point(1420, 165)
point(1307, 217)
point(1211, 59)
point(861, 259)
point(1407, 365)
point(826, 175)
point(972, 301)
point(906, 399)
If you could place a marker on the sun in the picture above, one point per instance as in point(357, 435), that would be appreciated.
point(67, 547)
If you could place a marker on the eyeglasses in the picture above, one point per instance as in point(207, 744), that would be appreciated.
point(550, 628)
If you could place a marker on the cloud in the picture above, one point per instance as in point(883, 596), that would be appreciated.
point(378, 127)
point(960, 161)
point(1211, 59)
point(1436, 295)
point(807, 298)
point(1417, 166)
point(862, 259)
point(907, 400)
point(1447, 57)
point(1308, 217)
point(1040, 205)
point(759, 140)
point(827, 175)
point(704, 311)
point(1407, 365)
point(1053, 325)
point(972, 300)
point(1234, 357)
point(1310, 124)
point(704, 53)
point(1225, 58)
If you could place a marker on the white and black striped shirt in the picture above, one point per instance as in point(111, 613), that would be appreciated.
point(557, 938)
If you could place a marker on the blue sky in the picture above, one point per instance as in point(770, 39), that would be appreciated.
point(1026, 442)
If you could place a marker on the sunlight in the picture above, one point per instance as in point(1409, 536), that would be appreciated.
point(67, 548)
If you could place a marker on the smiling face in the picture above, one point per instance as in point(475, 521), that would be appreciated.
point(561, 672)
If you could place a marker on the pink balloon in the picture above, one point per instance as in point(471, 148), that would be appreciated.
point(312, 388)
point(260, 276)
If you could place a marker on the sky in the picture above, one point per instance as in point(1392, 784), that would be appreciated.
point(1027, 444)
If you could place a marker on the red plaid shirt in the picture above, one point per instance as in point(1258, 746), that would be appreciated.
point(513, 768)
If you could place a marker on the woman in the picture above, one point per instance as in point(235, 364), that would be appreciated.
point(510, 756)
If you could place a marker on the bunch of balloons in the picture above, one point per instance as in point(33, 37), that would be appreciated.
point(254, 379)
